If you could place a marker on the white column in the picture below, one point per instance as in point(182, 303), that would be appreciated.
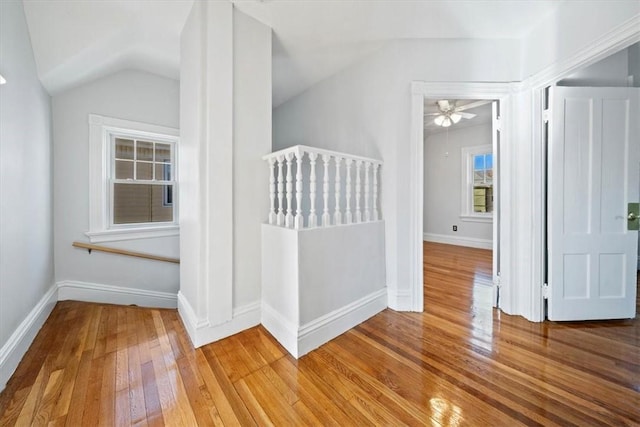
point(326, 219)
point(358, 213)
point(299, 222)
point(289, 217)
point(313, 218)
point(375, 192)
point(280, 216)
point(337, 215)
point(347, 214)
point(272, 191)
point(367, 211)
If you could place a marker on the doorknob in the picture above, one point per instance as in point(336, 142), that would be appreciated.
point(633, 216)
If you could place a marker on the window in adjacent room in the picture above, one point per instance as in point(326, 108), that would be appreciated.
point(477, 183)
point(133, 178)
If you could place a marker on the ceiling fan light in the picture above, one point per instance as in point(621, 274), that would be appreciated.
point(446, 122)
point(455, 117)
point(438, 120)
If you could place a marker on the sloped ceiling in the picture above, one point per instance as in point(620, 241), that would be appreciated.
point(77, 41)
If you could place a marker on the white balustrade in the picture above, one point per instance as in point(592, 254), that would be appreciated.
point(272, 191)
point(280, 216)
point(289, 217)
point(298, 221)
point(375, 191)
point(358, 212)
point(326, 219)
point(337, 215)
point(348, 216)
point(313, 218)
point(281, 188)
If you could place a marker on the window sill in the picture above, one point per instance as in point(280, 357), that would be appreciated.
point(488, 219)
point(132, 234)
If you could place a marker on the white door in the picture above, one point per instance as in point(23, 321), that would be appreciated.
point(593, 171)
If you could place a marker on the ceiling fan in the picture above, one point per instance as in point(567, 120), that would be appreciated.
point(450, 114)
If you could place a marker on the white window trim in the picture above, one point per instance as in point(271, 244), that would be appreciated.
point(100, 229)
point(466, 203)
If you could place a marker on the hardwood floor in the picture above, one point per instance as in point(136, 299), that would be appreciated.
point(458, 363)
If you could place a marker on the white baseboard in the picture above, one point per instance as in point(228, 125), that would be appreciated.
point(19, 342)
point(319, 331)
point(470, 242)
point(323, 329)
point(108, 294)
point(201, 332)
point(400, 300)
point(284, 331)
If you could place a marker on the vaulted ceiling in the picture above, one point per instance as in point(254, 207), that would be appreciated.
point(77, 41)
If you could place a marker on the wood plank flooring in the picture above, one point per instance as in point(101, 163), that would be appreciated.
point(458, 363)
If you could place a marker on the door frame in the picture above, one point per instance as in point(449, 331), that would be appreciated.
point(457, 90)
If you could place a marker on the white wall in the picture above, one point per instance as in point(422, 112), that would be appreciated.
point(365, 110)
point(225, 121)
point(573, 26)
point(612, 71)
point(443, 182)
point(26, 216)
point(129, 95)
point(252, 139)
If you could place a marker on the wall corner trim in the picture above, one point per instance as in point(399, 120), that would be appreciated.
point(18, 343)
point(300, 340)
point(201, 332)
point(109, 294)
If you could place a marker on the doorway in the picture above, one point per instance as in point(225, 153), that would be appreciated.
point(467, 92)
point(460, 197)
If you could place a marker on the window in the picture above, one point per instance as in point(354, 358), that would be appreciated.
point(133, 180)
point(477, 184)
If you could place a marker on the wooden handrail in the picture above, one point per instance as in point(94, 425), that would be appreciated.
point(91, 247)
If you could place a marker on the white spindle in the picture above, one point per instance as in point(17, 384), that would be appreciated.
point(358, 213)
point(375, 192)
point(299, 222)
point(272, 191)
point(367, 211)
point(313, 218)
point(347, 214)
point(337, 215)
point(326, 219)
point(280, 216)
point(289, 217)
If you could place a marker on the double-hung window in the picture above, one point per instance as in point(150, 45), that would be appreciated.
point(133, 180)
point(477, 183)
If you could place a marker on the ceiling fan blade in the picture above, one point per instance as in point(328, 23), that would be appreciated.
point(472, 105)
point(466, 115)
point(444, 105)
point(432, 114)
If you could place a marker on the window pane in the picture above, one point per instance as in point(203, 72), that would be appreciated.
point(124, 169)
point(482, 199)
point(489, 161)
point(163, 153)
point(478, 177)
point(144, 170)
point(141, 203)
point(124, 148)
point(145, 150)
point(163, 171)
point(478, 162)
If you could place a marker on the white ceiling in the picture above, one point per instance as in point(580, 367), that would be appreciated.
point(76, 41)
